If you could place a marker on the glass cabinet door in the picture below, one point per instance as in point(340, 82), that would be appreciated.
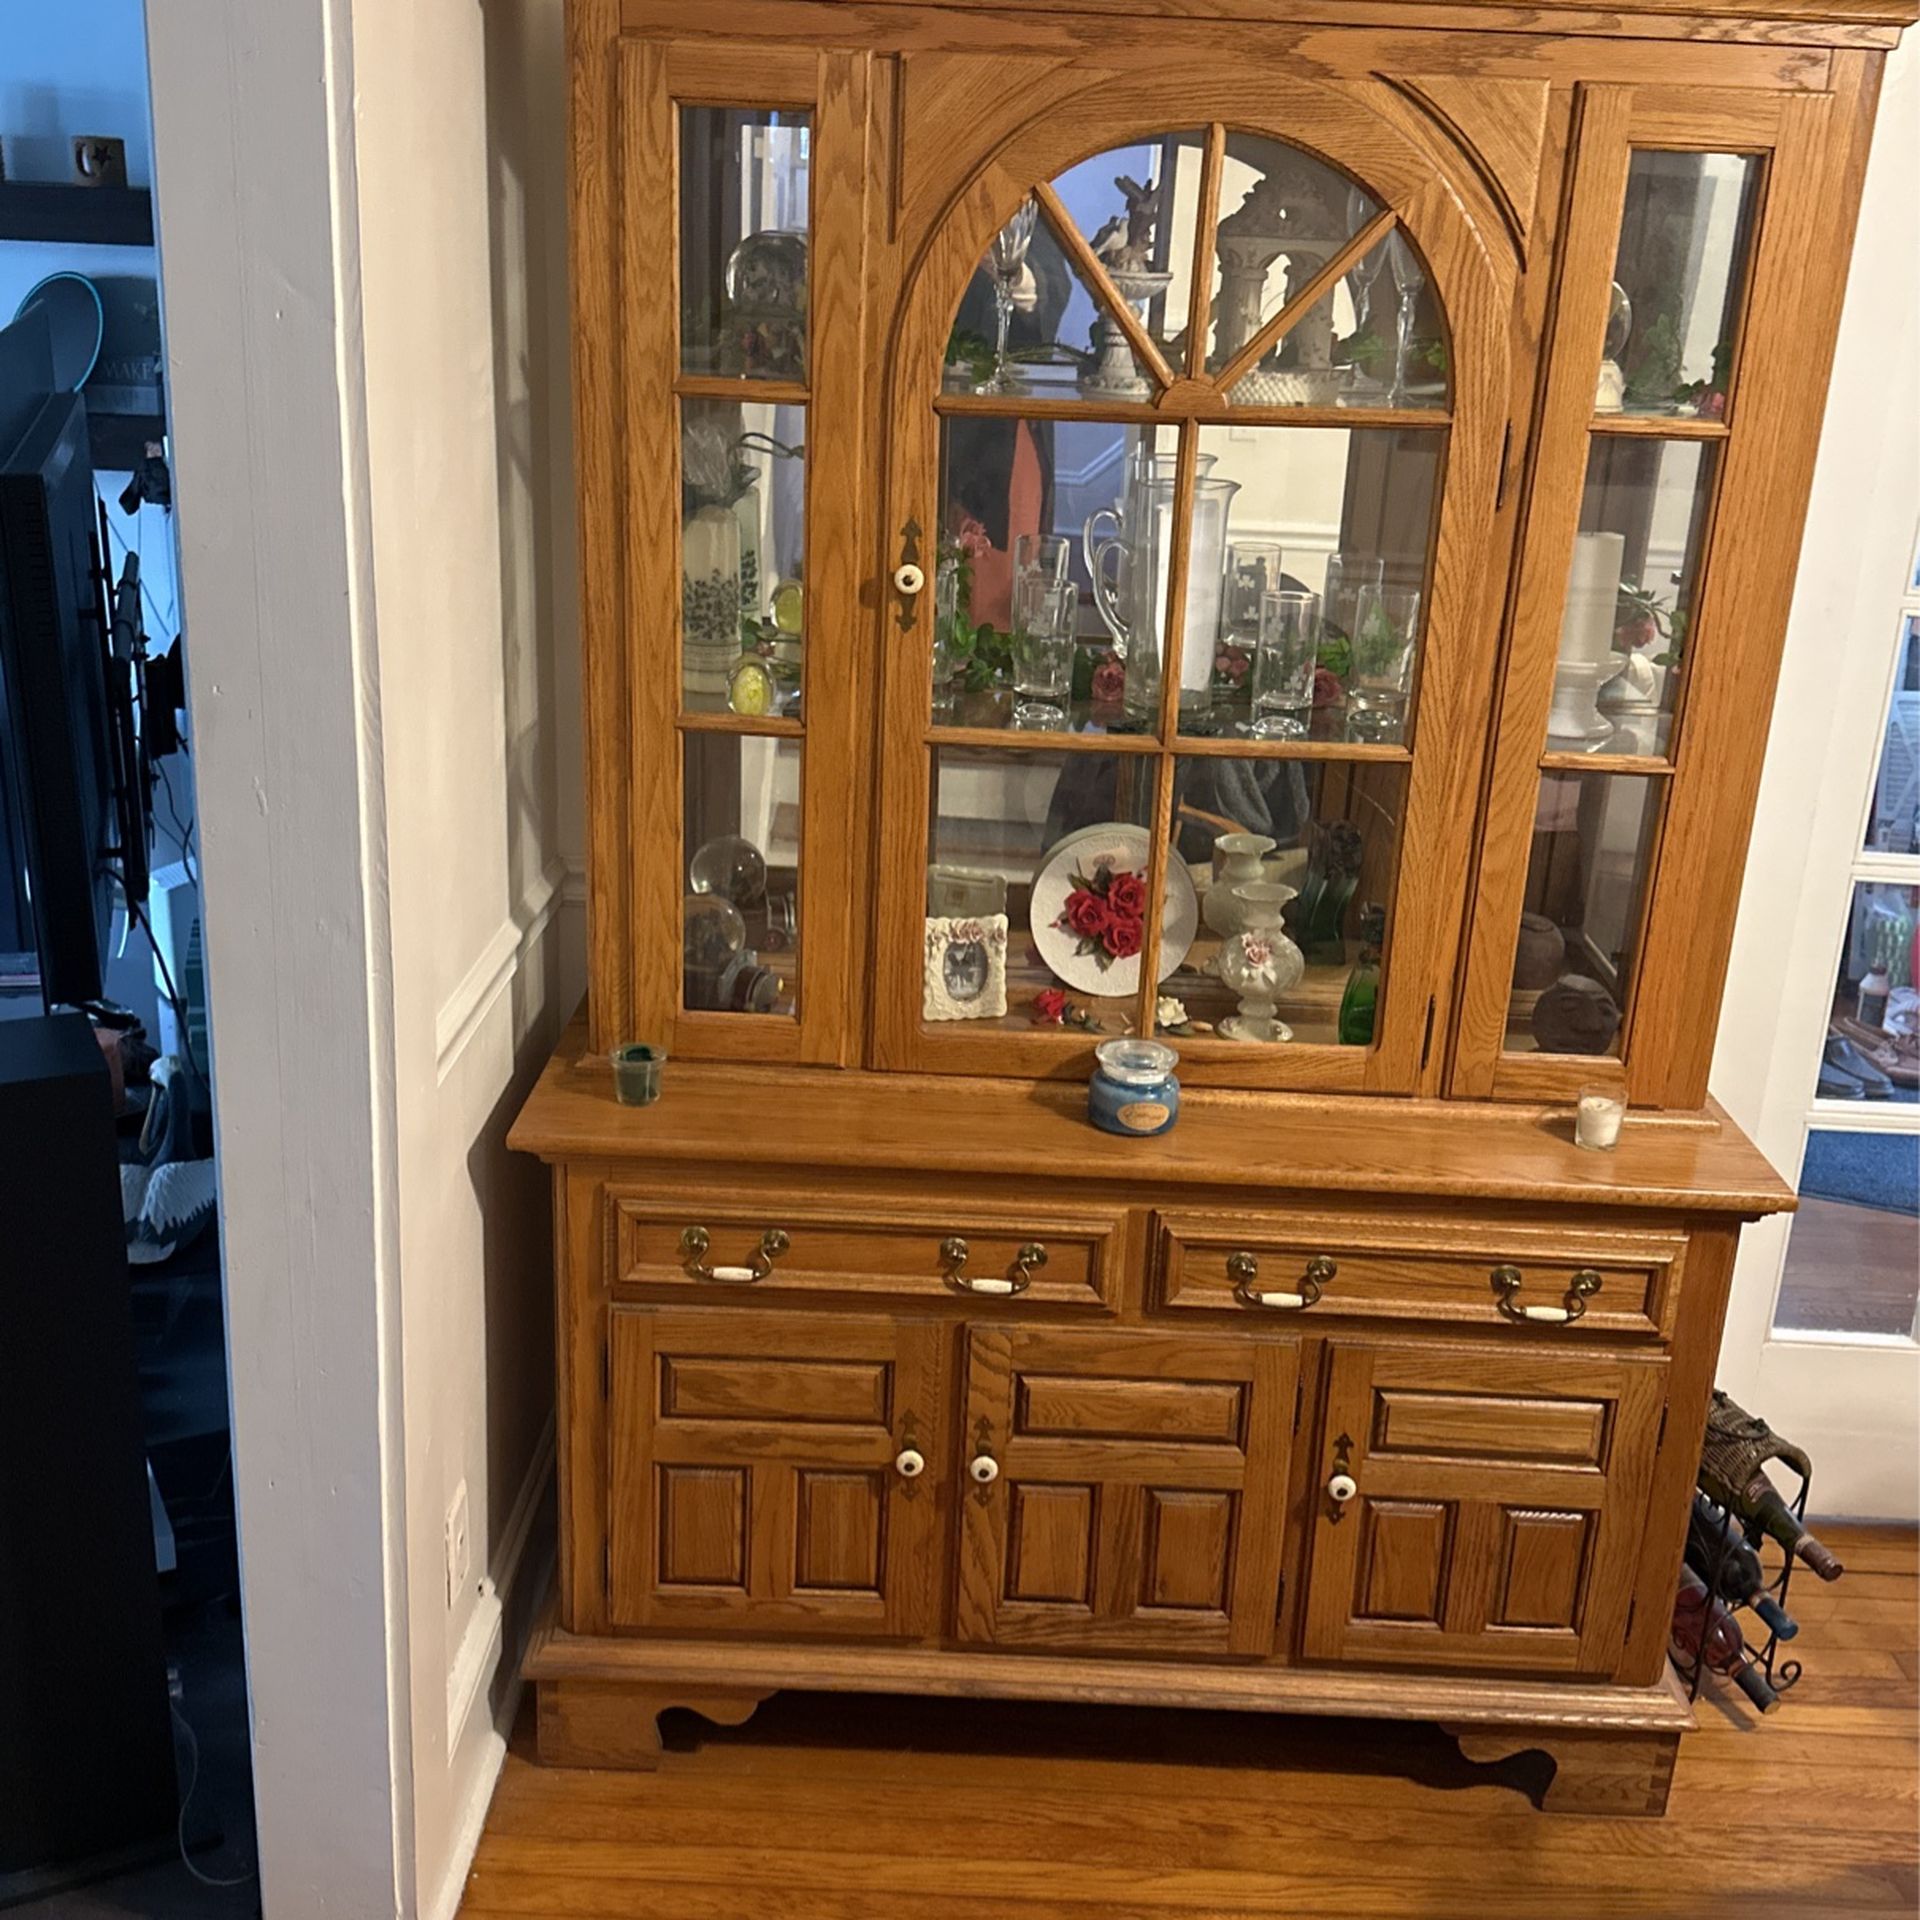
point(738, 558)
point(1189, 451)
point(1647, 623)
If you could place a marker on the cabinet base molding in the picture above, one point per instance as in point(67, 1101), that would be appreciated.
point(600, 1697)
point(596, 1723)
point(1594, 1771)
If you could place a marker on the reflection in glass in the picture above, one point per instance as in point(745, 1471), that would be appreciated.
point(1067, 493)
point(740, 839)
point(742, 553)
point(1289, 647)
point(1872, 1048)
point(1283, 216)
point(1138, 206)
point(1056, 844)
point(1893, 822)
point(744, 179)
point(1679, 276)
point(1850, 1255)
point(1326, 836)
point(1061, 340)
point(1007, 266)
point(1044, 612)
point(1630, 592)
point(1347, 507)
point(1386, 631)
point(1593, 843)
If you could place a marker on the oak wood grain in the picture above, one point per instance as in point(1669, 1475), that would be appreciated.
point(1301, 1145)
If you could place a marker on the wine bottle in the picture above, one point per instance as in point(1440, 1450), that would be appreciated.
point(1703, 1628)
point(1722, 1558)
point(1737, 1447)
point(1757, 1502)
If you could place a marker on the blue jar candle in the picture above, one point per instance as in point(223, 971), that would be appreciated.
point(1133, 1089)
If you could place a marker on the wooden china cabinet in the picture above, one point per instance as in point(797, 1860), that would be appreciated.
point(1073, 500)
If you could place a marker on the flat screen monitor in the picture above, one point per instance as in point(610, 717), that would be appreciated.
point(68, 814)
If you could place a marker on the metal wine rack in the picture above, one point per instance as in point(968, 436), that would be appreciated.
point(1786, 1673)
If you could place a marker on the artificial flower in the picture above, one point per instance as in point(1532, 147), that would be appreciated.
point(1087, 914)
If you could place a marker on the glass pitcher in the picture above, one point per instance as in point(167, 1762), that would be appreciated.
point(1136, 580)
point(1145, 467)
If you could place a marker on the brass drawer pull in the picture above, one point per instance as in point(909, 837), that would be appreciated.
point(695, 1241)
point(1507, 1282)
point(1030, 1258)
point(1243, 1269)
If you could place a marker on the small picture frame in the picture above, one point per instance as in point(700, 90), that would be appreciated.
point(966, 967)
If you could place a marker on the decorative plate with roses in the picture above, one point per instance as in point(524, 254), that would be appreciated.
point(1089, 904)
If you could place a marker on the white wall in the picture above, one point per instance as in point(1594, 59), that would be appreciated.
point(455, 169)
point(363, 229)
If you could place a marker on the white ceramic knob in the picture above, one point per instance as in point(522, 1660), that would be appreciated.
point(1341, 1488)
point(908, 579)
point(909, 1463)
point(984, 1468)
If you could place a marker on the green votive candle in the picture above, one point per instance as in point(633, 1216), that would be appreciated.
point(636, 1074)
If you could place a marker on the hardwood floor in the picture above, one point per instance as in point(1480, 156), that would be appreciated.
point(1850, 1269)
point(837, 1807)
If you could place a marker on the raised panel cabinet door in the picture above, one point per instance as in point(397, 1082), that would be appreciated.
point(1124, 1491)
point(1480, 1510)
point(774, 1473)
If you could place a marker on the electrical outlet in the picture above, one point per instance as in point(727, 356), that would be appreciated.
point(459, 1544)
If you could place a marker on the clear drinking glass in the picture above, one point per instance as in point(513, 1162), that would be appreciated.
point(1386, 627)
point(1253, 572)
point(946, 661)
point(1283, 665)
point(1050, 554)
point(1044, 610)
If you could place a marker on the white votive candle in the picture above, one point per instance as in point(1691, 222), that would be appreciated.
point(1596, 1121)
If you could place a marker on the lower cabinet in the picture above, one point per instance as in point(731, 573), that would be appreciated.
point(1480, 1510)
point(768, 1476)
point(1125, 1491)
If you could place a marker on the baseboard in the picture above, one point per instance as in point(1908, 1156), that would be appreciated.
point(483, 1682)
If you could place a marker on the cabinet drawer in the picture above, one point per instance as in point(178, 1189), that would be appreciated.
point(1281, 1266)
point(724, 1245)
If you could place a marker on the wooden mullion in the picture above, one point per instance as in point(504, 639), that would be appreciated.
point(1099, 283)
point(1304, 302)
point(1339, 752)
point(1651, 766)
point(1655, 426)
point(1206, 228)
point(1136, 745)
point(1159, 849)
point(740, 390)
point(1191, 401)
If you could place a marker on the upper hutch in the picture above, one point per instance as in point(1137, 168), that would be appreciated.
point(1062, 486)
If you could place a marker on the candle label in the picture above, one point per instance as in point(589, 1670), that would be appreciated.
point(1143, 1116)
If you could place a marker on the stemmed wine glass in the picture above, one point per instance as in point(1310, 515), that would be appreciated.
point(1007, 259)
point(1361, 208)
point(1407, 282)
